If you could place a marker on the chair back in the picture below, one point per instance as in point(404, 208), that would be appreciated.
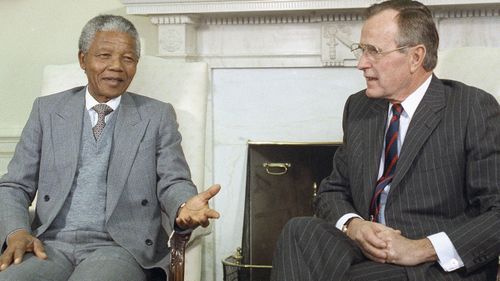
point(185, 86)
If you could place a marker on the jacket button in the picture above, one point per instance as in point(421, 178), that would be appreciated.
point(148, 242)
point(144, 202)
point(46, 198)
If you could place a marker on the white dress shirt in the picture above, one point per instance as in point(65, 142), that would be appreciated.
point(90, 101)
point(448, 256)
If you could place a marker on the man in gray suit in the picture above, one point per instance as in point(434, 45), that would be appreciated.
point(414, 193)
point(106, 164)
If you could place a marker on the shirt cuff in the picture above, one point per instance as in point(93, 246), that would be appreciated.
point(183, 232)
point(344, 219)
point(448, 256)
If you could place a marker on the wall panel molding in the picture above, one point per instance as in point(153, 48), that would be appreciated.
point(7, 147)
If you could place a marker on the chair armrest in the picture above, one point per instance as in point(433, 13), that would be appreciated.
point(178, 244)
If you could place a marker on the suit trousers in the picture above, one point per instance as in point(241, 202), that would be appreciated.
point(89, 259)
point(312, 249)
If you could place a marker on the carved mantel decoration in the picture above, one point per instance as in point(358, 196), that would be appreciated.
point(277, 33)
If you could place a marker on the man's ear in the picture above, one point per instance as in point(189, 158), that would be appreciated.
point(417, 57)
point(81, 59)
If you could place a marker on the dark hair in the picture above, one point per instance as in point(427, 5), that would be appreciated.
point(107, 23)
point(416, 26)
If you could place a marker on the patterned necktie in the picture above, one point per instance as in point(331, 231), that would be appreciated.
point(391, 159)
point(102, 110)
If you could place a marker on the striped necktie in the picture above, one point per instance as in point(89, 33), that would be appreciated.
point(391, 159)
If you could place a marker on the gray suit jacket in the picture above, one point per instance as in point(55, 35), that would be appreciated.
point(447, 177)
point(147, 171)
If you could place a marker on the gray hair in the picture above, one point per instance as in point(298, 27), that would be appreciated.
point(416, 26)
point(107, 23)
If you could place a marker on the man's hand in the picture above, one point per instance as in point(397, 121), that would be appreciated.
point(407, 252)
point(18, 244)
point(365, 235)
point(196, 211)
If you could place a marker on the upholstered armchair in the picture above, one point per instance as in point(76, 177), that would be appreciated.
point(184, 85)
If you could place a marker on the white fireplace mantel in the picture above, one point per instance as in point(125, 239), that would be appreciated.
point(292, 33)
point(238, 6)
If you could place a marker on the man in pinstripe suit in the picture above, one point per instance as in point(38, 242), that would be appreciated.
point(437, 217)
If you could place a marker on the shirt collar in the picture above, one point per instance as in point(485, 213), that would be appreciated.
point(411, 103)
point(90, 101)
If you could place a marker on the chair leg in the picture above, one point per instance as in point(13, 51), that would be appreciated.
point(178, 249)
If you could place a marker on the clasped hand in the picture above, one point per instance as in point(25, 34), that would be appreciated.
point(196, 210)
point(384, 244)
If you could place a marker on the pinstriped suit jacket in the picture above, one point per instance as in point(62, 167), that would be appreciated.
point(147, 171)
point(447, 177)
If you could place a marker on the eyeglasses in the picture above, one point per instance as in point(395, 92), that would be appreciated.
point(371, 52)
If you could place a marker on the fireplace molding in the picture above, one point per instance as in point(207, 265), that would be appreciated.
point(312, 33)
point(253, 6)
point(308, 16)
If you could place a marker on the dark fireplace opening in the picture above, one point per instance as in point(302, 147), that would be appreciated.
point(282, 180)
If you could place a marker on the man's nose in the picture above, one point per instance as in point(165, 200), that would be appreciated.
point(115, 63)
point(363, 62)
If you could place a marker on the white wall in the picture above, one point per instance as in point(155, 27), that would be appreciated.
point(34, 34)
point(37, 33)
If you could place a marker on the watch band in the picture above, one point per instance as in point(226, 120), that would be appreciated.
point(346, 225)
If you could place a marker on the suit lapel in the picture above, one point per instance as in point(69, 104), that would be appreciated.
point(374, 138)
point(128, 133)
point(67, 123)
point(423, 123)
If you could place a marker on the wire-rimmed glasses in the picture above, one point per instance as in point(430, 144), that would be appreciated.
point(370, 51)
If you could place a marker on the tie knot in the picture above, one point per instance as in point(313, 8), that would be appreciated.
point(397, 109)
point(102, 109)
